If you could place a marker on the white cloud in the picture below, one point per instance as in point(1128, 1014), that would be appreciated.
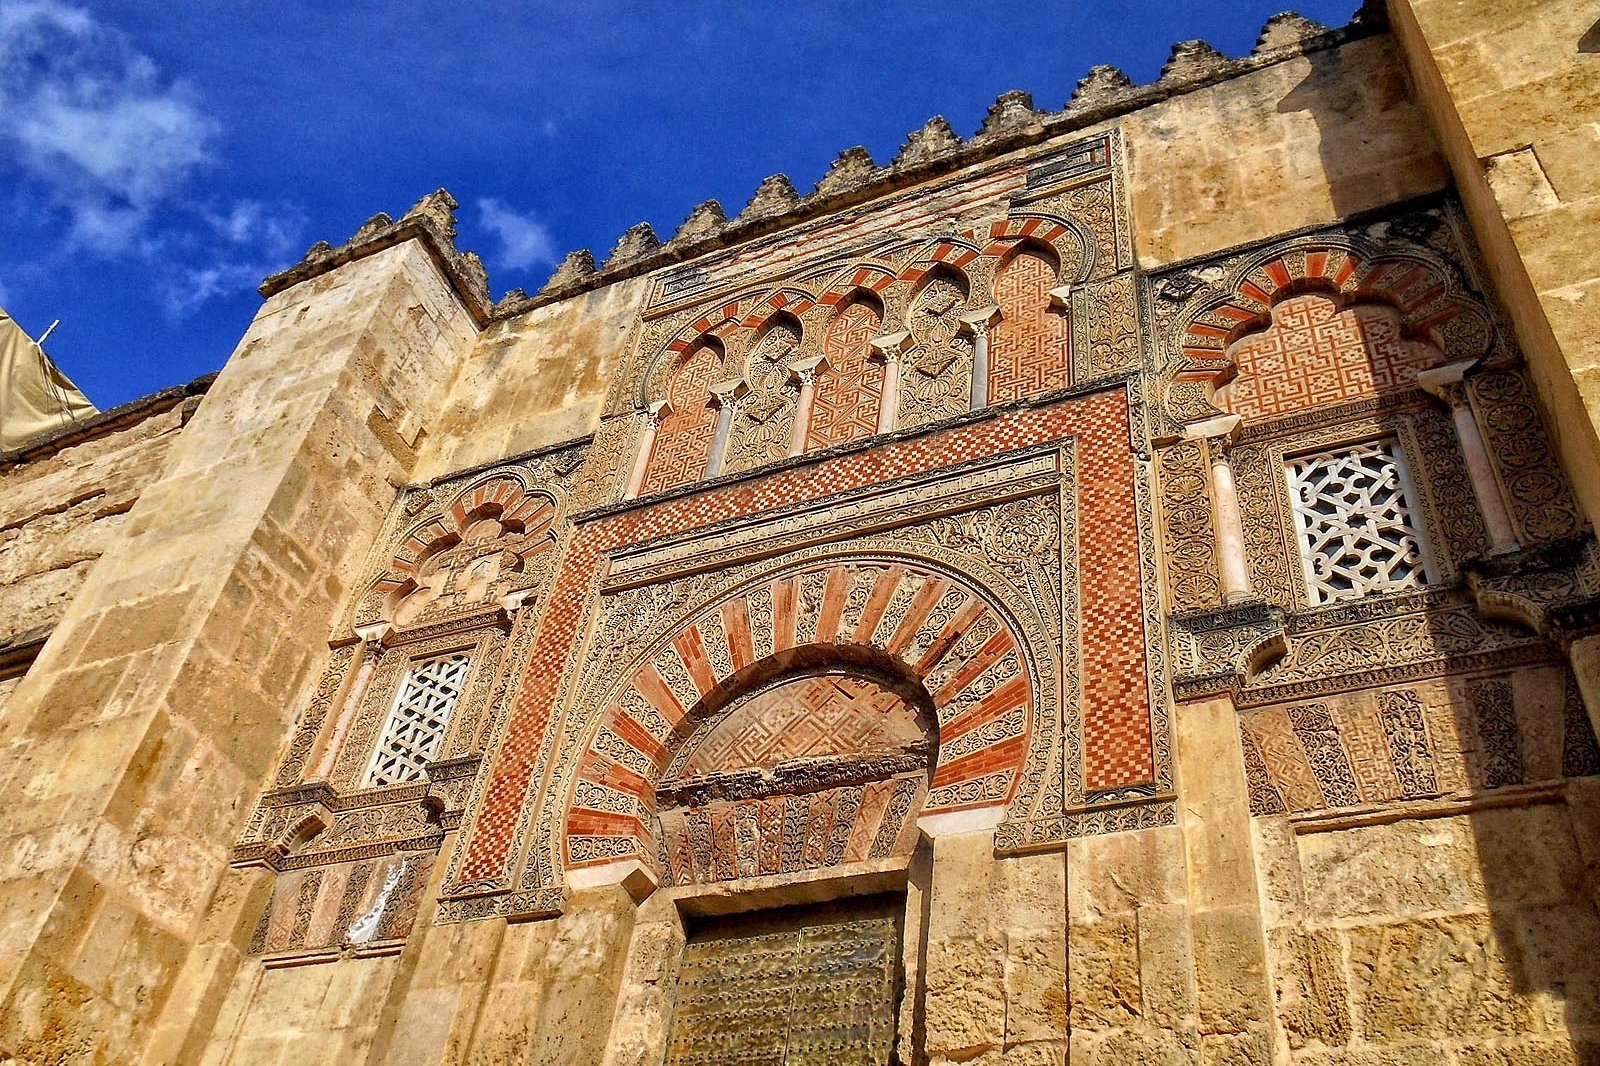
point(245, 242)
point(524, 240)
point(92, 121)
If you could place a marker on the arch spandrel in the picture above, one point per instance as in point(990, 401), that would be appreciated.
point(934, 631)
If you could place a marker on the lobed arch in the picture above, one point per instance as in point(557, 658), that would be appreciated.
point(1421, 291)
point(682, 443)
point(926, 280)
point(1030, 338)
point(903, 616)
point(850, 385)
point(949, 254)
point(523, 518)
point(1065, 242)
point(853, 281)
point(682, 347)
point(787, 300)
point(745, 311)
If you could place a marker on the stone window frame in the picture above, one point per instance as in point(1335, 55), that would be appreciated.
point(1409, 508)
point(1451, 525)
point(481, 638)
point(447, 684)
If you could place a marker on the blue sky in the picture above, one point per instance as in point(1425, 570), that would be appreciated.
point(158, 160)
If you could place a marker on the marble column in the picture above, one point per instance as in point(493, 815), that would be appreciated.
point(889, 349)
point(1219, 434)
point(657, 412)
point(725, 395)
point(979, 323)
point(1447, 384)
point(805, 373)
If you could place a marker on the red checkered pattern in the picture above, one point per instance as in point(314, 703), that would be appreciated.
point(1116, 714)
point(1116, 726)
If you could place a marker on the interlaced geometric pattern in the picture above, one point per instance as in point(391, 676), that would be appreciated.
point(806, 718)
point(415, 730)
point(1030, 347)
point(848, 393)
point(1316, 353)
point(683, 441)
point(1359, 531)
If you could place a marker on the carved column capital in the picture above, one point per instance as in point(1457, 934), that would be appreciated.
point(891, 346)
point(805, 371)
point(1060, 299)
point(658, 412)
point(375, 635)
point(1219, 433)
point(727, 393)
point(978, 323)
point(1447, 382)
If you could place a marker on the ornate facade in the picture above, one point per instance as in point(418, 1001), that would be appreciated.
point(1008, 605)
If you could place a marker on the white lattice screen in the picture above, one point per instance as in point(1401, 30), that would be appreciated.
point(1359, 528)
point(415, 729)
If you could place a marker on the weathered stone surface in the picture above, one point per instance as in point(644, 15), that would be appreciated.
point(1431, 976)
point(966, 995)
point(1313, 999)
point(1343, 124)
point(1453, 923)
point(1400, 869)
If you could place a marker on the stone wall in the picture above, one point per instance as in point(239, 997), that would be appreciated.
point(66, 501)
point(1513, 91)
point(155, 708)
point(1445, 934)
point(1114, 847)
point(1300, 143)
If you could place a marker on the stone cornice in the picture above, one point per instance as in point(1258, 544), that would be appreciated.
point(107, 422)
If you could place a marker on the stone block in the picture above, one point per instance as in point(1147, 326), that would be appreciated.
point(965, 1005)
point(1035, 988)
point(1532, 1051)
point(1121, 872)
point(1428, 976)
point(1236, 1049)
point(1167, 966)
point(1404, 868)
point(1312, 992)
point(1141, 1046)
point(1230, 970)
point(1103, 958)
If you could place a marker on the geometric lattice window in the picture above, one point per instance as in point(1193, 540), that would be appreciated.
point(415, 730)
point(1358, 525)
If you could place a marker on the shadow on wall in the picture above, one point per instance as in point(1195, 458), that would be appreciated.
point(1371, 137)
point(1540, 877)
point(1590, 42)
